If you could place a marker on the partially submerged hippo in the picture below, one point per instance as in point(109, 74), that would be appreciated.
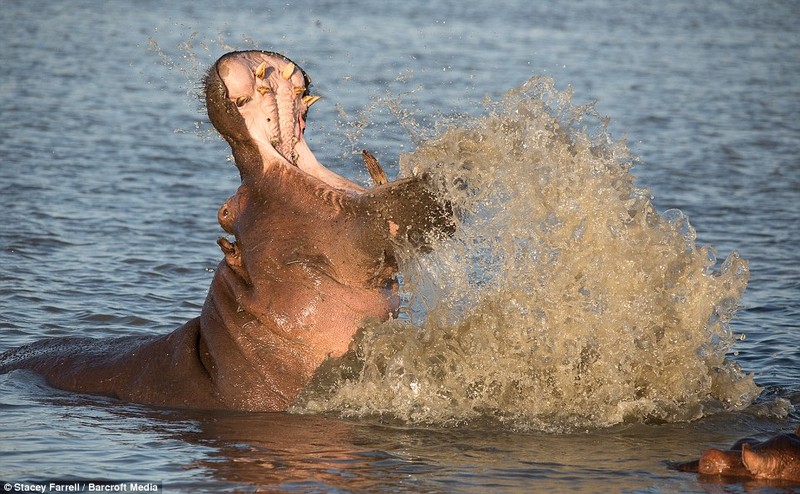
point(777, 458)
point(313, 257)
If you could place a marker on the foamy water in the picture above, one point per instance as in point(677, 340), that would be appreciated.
point(563, 301)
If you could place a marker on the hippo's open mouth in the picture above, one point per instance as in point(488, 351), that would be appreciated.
point(266, 96)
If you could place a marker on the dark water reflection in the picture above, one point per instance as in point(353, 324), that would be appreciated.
point(292, 453)
point(296, 452)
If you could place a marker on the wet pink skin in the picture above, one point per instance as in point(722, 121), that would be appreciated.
point(309, 258)
point(777, 458)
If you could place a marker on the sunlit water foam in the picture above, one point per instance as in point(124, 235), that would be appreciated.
point(564, 300)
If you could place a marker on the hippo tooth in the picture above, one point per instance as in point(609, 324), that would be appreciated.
point(260, 70)
point(374, 168)
point(241, 100)
point(262, 89)
point(288, 71)
point(310, 100)
point(298, 90)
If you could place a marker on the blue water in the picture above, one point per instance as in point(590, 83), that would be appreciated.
point(111, 179)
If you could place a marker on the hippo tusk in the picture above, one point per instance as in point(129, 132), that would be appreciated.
point(261, 70)
point(310, 100)
point(374, 168)
point(288, 71)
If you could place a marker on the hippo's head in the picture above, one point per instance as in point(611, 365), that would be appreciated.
point(313, 254)
point(776, 458)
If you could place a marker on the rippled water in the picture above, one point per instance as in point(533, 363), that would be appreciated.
point(111, 179)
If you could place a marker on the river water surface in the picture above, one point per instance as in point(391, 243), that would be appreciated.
point(577, 334)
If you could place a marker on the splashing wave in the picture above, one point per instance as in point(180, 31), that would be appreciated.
point(564, 300)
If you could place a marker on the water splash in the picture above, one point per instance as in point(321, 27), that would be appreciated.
point(564, 300)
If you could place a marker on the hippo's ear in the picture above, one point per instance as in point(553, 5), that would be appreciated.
point(753, 461)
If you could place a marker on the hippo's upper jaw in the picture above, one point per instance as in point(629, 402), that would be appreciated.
point(258, 101)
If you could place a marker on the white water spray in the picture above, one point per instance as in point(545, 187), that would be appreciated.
point(563, 301)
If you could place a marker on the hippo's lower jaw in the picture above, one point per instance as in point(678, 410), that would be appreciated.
point(313, 257)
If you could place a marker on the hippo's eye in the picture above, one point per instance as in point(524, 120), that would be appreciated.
point(241, 100)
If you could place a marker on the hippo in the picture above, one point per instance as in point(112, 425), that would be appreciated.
point(777, 458)
point(310, 257)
